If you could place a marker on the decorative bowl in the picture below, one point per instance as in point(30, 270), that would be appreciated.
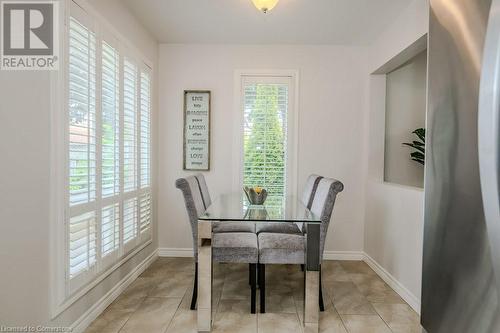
point(257, 212)
point(255, 197)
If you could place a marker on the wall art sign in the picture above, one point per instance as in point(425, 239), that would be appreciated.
point(197, 130)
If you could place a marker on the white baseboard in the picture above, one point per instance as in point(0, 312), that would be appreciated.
point(175, 252)
point(343, 255)
point(329, 255)
point(405, 294)
point(95, 310)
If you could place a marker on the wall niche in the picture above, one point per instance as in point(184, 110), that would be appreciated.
point(405, 110)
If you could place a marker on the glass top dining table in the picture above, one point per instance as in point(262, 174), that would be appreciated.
point(235, 207)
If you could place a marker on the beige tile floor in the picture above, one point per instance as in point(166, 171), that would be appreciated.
point(356, 301)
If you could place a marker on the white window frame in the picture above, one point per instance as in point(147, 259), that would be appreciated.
point(62, 294)
point(291, 77)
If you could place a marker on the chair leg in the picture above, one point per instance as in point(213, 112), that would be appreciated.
point(302, 267)
point(321, 304)
point(195, 287)
point(253, 283)
point(257, 275)
point(262, 286)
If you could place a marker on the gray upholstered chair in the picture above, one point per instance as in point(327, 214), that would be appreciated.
point(227, 247)
point(223, 227)
point(292, 228)
point(275, 248)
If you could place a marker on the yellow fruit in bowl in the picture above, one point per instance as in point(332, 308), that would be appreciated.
point(258, 189)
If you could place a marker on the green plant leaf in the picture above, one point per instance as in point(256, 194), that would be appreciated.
point(418, 155)
point(419, 161)
point(420, 148)
point(420, 132)
point(417, 147)
point(410, 144)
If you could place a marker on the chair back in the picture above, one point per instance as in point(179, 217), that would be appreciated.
point(195, 202)
point(324, 200)
point(204, 190)
point(310, 189)
point(308, 195)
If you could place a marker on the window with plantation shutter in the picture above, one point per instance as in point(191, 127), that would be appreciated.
point(265, 112)
point(81, 149)
point(106, 200)
point(82, 114)
point(145, 111)
point(129, 125)
point(145, 213)
point(110, 229)
point(110, 144)
point(129, 220)
point(82, 243)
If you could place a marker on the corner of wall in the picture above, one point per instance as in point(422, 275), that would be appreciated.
point(389, 245)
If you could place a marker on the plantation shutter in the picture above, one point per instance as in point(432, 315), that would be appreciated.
point(145, 110)
point(82, 148)
point(110, 229)
point(82, 114)
point(145, 202)
point(265, 107)
point(130, 85)
point(129, 220)
point(145, 213)
point(82, 242)
point(110, 99)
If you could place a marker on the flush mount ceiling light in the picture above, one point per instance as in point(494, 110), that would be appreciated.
point(265, 5)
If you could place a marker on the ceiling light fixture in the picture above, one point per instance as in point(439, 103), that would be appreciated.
point(265, 5)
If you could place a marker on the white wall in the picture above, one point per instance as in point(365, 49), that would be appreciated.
point(24, 196)
point(330, 126)
point(405, 111)
point(394, 213)
point(25, 130)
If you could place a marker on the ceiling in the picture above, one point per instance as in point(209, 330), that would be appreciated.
point(346, 22)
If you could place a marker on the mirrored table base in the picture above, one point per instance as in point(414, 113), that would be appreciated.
point(311, 292)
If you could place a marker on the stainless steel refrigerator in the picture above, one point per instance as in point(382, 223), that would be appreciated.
point(461, 266)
